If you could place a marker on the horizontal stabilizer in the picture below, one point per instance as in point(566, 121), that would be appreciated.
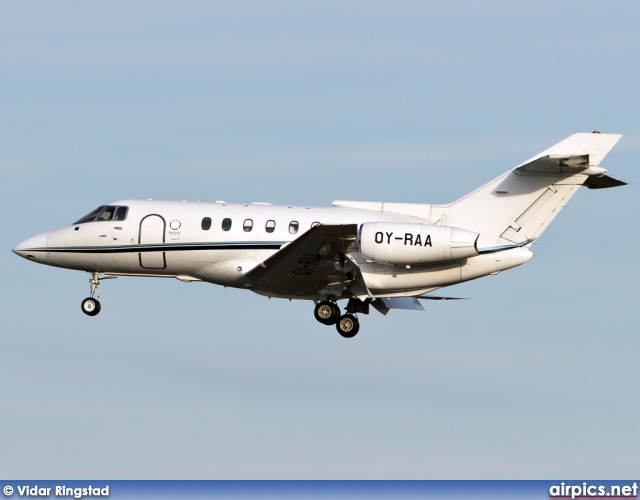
point(574, 150)
point(555, 164)
point(602, 182)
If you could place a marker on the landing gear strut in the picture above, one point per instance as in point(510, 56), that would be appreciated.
point(91, 306)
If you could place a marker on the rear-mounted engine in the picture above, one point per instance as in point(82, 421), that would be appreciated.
point(406, 243)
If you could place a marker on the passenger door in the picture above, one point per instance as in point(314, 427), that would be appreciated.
point(151, 239)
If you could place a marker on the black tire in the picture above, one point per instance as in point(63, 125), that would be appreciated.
point(90, 306)
point(326, 312)
point(348, 326)
point(336, 312)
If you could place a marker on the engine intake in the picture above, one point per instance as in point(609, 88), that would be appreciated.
point(407, 243)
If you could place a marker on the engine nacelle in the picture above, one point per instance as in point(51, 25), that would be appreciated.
point(407, 243)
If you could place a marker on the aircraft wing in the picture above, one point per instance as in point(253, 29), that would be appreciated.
point(316, 262)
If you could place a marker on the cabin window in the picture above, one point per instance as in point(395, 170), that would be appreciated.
point(247, 226)
point(121, 213)
point(314, 224)
point(293, 226)
point(270, 226)
point(226, 224)
point(206, 223)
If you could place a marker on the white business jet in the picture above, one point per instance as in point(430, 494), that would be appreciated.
point(385, 255)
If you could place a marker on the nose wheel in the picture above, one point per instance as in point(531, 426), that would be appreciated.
point(90, 306)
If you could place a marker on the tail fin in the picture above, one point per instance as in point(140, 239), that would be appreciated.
point(520, 204)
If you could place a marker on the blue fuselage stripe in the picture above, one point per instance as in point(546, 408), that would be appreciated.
point(171, 247)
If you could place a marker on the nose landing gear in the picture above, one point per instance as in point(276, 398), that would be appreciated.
point(91, 306)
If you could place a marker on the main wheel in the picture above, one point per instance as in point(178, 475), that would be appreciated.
point(326, 312)
point(336, 311)
point(348, 326)
point(90, 306)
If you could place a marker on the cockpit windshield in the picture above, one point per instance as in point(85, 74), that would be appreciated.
point(105, 212)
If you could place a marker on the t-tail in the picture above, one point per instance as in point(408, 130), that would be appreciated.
point(515, 208)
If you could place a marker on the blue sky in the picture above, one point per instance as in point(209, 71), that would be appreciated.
point(303, 103)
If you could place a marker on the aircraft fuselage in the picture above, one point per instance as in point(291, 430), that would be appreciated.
point(220, 242)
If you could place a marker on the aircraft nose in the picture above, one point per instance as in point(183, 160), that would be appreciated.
point(30, 246)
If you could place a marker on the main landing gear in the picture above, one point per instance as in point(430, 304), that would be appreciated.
point(328, 313)
point(91, 306)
